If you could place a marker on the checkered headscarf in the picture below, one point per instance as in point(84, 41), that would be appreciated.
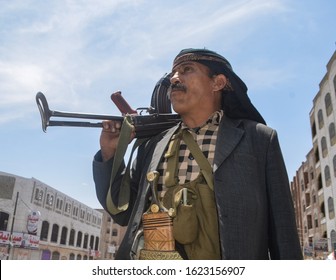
point(235, 102)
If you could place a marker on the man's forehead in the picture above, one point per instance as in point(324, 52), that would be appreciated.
point(186, 63)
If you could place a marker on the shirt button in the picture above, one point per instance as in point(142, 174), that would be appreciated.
point(190, 157)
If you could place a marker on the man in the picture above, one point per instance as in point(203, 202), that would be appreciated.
point(247, 192)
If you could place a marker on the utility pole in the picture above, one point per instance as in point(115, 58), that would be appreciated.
point(12, 226)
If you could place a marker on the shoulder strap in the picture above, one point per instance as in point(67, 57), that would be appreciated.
point(172, 157)
point(124, 192)
point(200, 158)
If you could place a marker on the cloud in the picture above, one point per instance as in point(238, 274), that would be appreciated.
point(72, 49)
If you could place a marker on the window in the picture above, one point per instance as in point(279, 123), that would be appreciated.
point(328, 104)
point(332, 134)
point(334, 165)
point(315, 220)
point(4, 220)
point(331, 209)
point(50, 199)
point(314, 197)
point(317, 156)
point(54, 233)
point(96, 243)
point(309, 221)
point(327, 176)
point(91, 241)
point(333, 237)
point(55, 255)
point(82, 214)
point(86, 239)
point(313, 129)
point(320, 119)
point(334, 84)
point(38, 194)
point(324, 147)
point(59, 203)
point(307, 199)
point(79, 239)
point(44, 231)
point(72, 237)
point(67, 207)
point(64, 236)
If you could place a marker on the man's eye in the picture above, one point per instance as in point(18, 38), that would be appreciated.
point(186, 69)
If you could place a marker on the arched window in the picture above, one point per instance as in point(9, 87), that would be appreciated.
point(96, 243)
point(319, 182)
point(332, 134)
point(86, 241)
point(54, 233)
point(324, 147)
point(333, 238)
point(91, 241)
point(72, 256)
point(334, 83)
point(334, 165)
point(55, 255)
point(72, 237)
point(320, 119)
point(79, 239)
point(328, 104)
point(327, 177)
point(44, 231)
point(331, 208)
point(64, 235)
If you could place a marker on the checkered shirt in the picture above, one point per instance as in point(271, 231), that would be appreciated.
point(205, 136)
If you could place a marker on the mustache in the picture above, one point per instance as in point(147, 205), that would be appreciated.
point(176, 86)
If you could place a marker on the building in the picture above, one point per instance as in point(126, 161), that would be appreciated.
point(307, 192)
point(111, 236)
point(314, 186)
point(39, 222)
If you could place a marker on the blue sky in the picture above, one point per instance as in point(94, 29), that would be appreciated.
point(79, 52)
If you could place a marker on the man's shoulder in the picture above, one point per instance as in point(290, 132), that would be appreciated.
point(247, 124)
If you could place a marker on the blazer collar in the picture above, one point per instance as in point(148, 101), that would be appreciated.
point(229, 135)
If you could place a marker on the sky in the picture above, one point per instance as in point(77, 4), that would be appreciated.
point(79, 52)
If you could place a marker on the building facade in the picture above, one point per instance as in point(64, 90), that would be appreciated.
point(111, 236)
point(39, 222)
point(307, 192)
point(314, 186)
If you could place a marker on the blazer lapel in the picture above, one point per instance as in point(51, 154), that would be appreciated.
point(229, 135)
point(160, 147)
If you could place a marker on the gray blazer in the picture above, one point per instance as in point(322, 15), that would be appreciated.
point(254, 203)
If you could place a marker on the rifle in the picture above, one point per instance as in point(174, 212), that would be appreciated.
point(157, 119)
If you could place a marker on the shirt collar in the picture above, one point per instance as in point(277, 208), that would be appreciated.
point(213, 120)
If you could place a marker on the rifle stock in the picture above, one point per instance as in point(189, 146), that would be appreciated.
point(145, 126)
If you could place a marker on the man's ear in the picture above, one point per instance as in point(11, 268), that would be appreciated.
point(219, 82)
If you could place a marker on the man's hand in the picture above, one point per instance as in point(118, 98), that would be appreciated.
point(109, 139)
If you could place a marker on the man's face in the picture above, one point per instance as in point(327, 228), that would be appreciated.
point(192, 88)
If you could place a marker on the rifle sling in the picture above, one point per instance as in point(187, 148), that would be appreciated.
point(124, 192)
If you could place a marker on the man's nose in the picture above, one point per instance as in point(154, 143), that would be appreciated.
point(175, 78)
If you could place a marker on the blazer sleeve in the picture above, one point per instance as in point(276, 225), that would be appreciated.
point(101, 176)
point(283, 236)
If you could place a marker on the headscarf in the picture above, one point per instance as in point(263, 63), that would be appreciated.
point(235, 102)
